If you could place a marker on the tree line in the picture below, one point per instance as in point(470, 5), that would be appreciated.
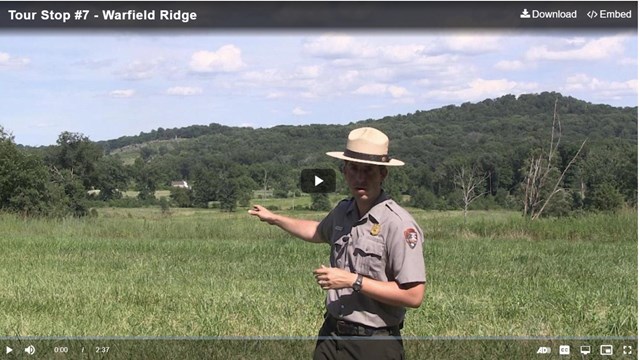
point(490, 145)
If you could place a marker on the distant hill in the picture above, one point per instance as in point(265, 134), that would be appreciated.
point(498, 141)
point(501, 126)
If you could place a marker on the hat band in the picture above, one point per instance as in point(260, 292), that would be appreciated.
point(368, 157)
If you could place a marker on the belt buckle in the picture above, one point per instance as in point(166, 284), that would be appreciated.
point(345, 328)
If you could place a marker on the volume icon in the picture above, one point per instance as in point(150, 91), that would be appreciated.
point(30, 350)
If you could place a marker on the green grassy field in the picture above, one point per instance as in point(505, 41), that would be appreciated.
point(195, 272)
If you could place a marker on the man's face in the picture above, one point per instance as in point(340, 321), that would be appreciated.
point(364, 180)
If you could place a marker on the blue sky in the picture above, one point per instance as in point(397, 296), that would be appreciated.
point(107, 84)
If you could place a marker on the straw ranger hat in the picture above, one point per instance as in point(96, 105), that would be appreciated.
point(367, 145)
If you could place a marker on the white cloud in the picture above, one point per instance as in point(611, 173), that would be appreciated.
point(507, 65)
point(275, 95)
point(282, 77)
point(397, 91)
point(402, 53)
point(628, 61)
point(124, 93)
point(479, 89)
point(298, 111)
point(264, 76)
point(604, 88)
point(184, 91)
point(597, 49)
point(228, 58)
point(349, 76)
point(371, 89)
point(472, 44)
point(576, 41)
point(307, 72)
point(94, 64)
point(382, 89)
point(335, 46)
point(137, 70)
point(7, 60)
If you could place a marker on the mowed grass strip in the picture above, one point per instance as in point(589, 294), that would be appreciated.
point(136, 272)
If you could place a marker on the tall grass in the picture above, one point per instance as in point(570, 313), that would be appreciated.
point(137, 272)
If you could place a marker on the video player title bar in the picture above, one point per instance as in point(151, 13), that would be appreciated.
point(317, 15)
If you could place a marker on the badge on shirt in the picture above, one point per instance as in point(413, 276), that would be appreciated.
point(411, 236)
point(375, 229)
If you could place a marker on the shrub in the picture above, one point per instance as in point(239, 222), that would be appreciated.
point(604, 197)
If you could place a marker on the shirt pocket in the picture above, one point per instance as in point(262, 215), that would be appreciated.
point(369, 256)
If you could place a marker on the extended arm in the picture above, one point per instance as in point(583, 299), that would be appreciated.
point(300, 228)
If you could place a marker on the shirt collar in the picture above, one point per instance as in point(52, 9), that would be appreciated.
point(352, 203)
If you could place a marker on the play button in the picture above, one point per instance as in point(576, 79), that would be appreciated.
point(8, 349)
point(318, 181)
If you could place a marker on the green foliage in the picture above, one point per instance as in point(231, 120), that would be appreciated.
point(397, 183)
point(181, 197)
point(23, 180)
point(111, 178)
point(611, 163)
point(77, 154)
point(5, 136)
point(604, 197)
point(281, 194)
point(497, 135)
point(425, 199)
point(165, 207)
point(227, 193)
point(146, 176)
point(223, 164)
point(69, 192)
point(320, 202)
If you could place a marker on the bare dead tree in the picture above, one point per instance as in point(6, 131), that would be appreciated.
point(540, 175)
point(469, 181)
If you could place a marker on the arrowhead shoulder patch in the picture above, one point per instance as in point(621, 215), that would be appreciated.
point(411, 237)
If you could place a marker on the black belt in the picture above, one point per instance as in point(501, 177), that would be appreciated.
point(348, 328)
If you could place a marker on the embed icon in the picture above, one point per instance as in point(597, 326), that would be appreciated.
point(318, 181)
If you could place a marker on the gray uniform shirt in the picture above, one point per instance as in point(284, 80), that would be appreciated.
point(384, 244)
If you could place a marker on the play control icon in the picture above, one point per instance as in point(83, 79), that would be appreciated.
point(8, 349)
point(315, 181)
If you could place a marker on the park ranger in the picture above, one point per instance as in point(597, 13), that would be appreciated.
point(376, 262)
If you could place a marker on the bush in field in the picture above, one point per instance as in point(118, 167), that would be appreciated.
point(320, 202)
point(604, 197)
point(484, 203)
point(559, 205)
point(73, 195)
point(24, 181)
point(181, 197)
point(425, 199)
point(506, 200)
point(164, 206)
point(280, 193)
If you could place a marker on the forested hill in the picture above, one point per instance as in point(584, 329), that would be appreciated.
point(499, 142)
point(503, 126)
